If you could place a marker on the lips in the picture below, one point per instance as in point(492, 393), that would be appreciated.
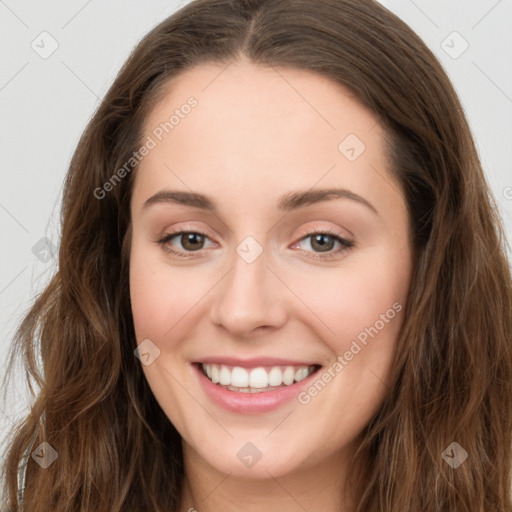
point(253, 385)
point(248, 399)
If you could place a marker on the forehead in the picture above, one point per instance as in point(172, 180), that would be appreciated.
point(271, 94)
point(259, 129)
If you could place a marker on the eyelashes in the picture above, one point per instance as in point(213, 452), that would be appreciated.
point(164, 242)
point(316, 236)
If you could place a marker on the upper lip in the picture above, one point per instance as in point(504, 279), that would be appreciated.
point(254, 362)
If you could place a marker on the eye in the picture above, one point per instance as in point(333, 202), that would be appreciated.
point(321, 240)
point(191, 241)
point(324, 240)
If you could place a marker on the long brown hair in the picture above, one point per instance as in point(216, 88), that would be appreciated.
point(452, 377)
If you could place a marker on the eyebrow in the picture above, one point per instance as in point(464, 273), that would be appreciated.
point(288, 202)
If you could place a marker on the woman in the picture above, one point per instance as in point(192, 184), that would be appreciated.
point(340, 340)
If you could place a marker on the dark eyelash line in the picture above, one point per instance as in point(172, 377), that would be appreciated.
point(346, 244)
point(163, 242)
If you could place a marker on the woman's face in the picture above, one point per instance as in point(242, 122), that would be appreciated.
point(253, 296)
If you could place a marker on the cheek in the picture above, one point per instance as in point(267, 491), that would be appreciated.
point(156, 308)
point(159, 295)
point(364, 307)
point(147, 298)
point(351, 300)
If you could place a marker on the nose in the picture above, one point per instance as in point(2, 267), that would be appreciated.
point(248, 298)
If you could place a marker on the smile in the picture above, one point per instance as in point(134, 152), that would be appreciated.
point(254, 386)
point(255, 380)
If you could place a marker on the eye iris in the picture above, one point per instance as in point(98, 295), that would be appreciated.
point(187, 238)
point(320, 239)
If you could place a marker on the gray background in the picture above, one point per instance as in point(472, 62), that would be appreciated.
point(46, 101)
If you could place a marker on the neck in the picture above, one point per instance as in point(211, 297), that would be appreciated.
point(318, 487)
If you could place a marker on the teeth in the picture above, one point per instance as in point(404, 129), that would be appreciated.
point(288, 375)
point(239, 377)
point(301, 374)
point(224, 376)
point(214, 373)
point(275, 377)
point(257, 379)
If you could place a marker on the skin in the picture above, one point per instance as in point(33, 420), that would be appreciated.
point(258, 133)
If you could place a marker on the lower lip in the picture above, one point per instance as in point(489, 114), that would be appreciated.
point(251, 403)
